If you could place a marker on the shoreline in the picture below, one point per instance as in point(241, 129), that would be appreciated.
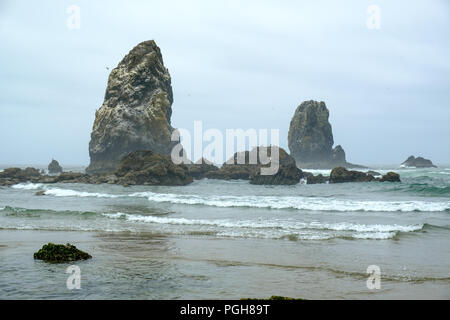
point(128, 265)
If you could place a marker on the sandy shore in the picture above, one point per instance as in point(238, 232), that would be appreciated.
point(153, 266)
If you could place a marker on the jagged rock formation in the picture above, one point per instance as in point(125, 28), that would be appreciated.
point(54, 167)
point(136, 111)
point(310, 138)
point(200, 168)
point(338, 156)
point(418, 162)
point(247, 165)
point(149, 168)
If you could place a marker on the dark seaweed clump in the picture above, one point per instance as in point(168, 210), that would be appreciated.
point(60, 253)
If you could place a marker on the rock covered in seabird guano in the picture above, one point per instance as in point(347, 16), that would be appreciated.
point(135, 114)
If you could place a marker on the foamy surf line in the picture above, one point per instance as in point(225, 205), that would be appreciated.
point(59, 192)
point(271, 224)
point(275, 229)
point(299, 203)
point(269, 202)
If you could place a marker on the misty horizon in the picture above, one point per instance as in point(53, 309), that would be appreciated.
point(232, 66)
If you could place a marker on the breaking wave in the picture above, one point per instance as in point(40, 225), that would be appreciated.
point(299, 203)
point(291, 230)
point(269, 202)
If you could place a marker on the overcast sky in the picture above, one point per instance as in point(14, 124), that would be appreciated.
point(234, 64)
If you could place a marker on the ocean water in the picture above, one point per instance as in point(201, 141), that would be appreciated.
point(218, 239)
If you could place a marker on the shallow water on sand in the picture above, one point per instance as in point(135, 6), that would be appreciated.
point(221, 239)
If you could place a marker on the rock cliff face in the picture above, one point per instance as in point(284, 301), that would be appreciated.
point(136, 111)
point(310, 138)
point(418, 162)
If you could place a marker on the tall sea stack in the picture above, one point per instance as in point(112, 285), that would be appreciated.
point(136, 111)
point(310, 138)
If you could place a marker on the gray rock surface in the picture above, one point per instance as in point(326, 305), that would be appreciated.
point(310, 138)
point(200, 168)
point(54, 167)
point(149, 168)
point(341, 174)
point(287, 173)
point(136, 111)
point(418, 162)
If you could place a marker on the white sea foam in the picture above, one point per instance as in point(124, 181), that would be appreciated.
point(270, 202)
point(324, 172)
point(27, 186)
point(58, 192)
point(375, 235)
point(288, 225)
point(300, 203)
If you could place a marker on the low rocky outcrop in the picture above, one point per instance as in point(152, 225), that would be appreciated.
point(247, 165)
point(233, 169)
point(390, 177)
point(135, 114)
point(418, 162)
point(341, 174)
point(149, 168)
point(317, 179)
point(11, 176)
point(287, 174)
point(137, 168)
point(54, 167)
point(201, 168)
point(310, 138)
point(57, 253)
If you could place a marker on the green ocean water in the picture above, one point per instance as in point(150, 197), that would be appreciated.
point(229, 239)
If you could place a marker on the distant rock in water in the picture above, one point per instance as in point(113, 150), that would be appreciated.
point(418, 162)
point(60, 253)
point(136, 111)
point(248, 165)
point(54, 167)
point(338, 156)
point(310, 138)
point(149, 168)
